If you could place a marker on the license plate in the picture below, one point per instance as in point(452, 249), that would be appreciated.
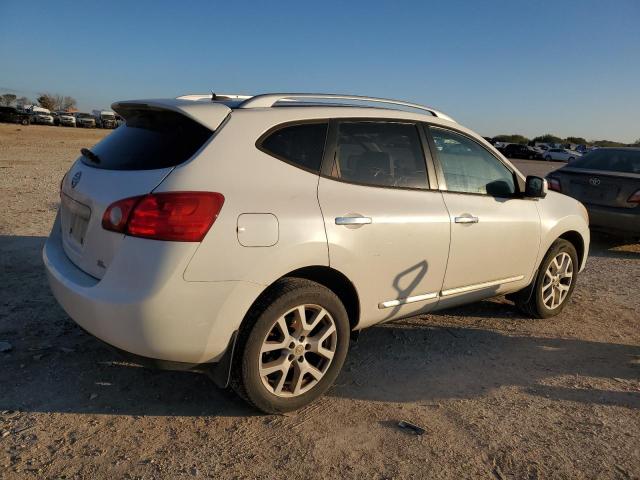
point(75, 220)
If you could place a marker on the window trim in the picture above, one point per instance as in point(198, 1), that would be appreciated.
point(518, 194)
point(294, 123)
point(331, 147)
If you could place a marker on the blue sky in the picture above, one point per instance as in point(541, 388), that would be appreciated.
point(565, 67)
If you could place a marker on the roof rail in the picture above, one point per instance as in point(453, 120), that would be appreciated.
point(210, 96)
point(270, 99)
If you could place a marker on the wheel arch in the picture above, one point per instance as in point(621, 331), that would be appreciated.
point(578, 243)
point(326, 276)
point(338, 283)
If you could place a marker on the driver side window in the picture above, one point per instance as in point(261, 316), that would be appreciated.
point(469, 168)
point(385, 154)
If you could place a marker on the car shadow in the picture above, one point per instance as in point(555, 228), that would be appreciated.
point(609, 246)
point(425, 360)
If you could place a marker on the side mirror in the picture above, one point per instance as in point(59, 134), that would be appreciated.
point(535, 187)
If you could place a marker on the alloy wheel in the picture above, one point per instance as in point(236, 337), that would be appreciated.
point(298, 350)
point(557, 280)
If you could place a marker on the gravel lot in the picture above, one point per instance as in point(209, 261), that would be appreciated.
point(500, 396)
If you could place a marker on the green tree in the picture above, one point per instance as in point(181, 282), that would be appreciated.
point(7, 99)
point(576, 140)
point(48, 101)
point(547, 138)
point(607, 143)
point(513, 138)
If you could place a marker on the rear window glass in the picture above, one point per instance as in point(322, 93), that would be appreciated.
point(627, 161)
point(302, 145)
point(150, 140)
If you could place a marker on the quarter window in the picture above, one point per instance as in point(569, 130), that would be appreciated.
point(385, 154)
point(301, 145)
point(469, 168)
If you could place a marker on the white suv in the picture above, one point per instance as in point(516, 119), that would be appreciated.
point(250, 237)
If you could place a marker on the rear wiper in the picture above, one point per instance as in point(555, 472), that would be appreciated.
point(90, 155)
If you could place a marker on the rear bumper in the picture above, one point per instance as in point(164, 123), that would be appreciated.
point(143, 305)
point(615, 220)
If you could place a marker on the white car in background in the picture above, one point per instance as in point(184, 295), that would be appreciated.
point(66, 119)
point(252, 237)
point(561, 154)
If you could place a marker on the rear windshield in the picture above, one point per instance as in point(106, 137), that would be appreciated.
point(150, 140)
point(626, 161)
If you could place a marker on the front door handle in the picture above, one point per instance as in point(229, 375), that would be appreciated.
point(353, 220)
point(466, 218)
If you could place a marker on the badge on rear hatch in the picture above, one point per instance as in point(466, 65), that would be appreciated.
point(594, 181)
point(75, 179)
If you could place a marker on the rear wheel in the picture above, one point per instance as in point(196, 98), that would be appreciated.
point(293, 348)
point(547, 158)
point(554, 282)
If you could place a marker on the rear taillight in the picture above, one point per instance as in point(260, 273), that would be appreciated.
point(176, 216)
point(554, 184)
point(635, 198)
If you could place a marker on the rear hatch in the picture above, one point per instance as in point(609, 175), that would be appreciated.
point(133, 160)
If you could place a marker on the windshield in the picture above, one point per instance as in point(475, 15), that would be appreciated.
point(108, 115)
point(626, 161)
point(84, 115)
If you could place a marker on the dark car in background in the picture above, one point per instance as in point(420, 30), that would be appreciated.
point(515, 150)
point(607, 182)
point(13, 115)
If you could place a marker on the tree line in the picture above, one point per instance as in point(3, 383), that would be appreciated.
point(550, 138)
point(50, 101)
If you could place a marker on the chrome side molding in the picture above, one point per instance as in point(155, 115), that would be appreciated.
point(479, 286)
point(402, 301)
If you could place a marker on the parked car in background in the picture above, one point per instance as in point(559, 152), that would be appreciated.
point(66, 119)
point(177, 238)
point(41, 116)
point(561, 154)
point(607, 182)
point(85, 120)
point(515, 150)
point(119, 120)
point(105, 118)
point(12, 115)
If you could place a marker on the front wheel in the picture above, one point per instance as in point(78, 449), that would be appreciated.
point(547, 158)
point(554, 282)
point(293, 347)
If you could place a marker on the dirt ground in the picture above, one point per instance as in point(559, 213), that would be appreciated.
point(500, 396)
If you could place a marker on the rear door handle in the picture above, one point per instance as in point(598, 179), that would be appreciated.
point(353, 220)
point(466, 218)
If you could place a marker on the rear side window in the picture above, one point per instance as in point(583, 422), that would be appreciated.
point(302, 145)
point(150, 139)
point(384, 154)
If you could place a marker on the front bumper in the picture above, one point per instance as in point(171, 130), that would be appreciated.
point(615, 220)
point(143, 306)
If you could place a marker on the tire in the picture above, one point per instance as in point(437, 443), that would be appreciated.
point(24, 121)
point(276, 391)
point(547, 158)
point(531, 300)
point(530, 157)
point(570, 159)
